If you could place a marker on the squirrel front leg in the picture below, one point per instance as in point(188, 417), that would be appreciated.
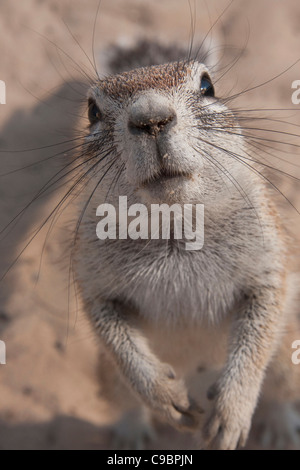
point(255, 331)
point(153, 381)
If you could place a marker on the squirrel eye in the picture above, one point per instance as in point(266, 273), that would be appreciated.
point(206, 86)
point(93, 112)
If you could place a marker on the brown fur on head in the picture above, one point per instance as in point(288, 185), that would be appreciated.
point(163, 77)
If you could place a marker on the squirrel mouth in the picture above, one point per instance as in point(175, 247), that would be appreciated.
point(166, 174)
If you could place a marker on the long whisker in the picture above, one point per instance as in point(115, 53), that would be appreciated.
point(93, 64)
point(260, 85)
point(239, 158)
point(52, 181)
point(46, 159)
point(233, 180)
point(93, 38)
point(212, 27)
point(64, 198)
point(75, 64)
point(59, 212)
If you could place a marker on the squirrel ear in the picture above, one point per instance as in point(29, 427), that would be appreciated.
point(108, 55)
point(129, 53)
point(206, 51)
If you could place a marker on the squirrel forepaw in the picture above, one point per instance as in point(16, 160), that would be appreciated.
point(169, 398)
point(229, 423)
point(279, 426)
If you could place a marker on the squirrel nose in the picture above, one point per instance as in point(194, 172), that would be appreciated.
point(151, 126)
point(150, 114)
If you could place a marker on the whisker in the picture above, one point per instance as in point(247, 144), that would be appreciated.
point(212, 27)
point(84, 73)
point(61, 210)
point(260, 85)
point(49, 184)
point(93, 38)
point(93, 65)
point(64, 198)
point(262, 149)
point(46, 159)
point(254, 170)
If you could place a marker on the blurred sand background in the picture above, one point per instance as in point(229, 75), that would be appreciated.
point(50, 395)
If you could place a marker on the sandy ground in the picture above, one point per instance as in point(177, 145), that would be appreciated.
point(50, 394)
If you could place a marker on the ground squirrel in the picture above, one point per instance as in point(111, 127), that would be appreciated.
point(158, 134)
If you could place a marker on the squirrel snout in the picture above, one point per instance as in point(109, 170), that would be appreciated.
point(150, 114)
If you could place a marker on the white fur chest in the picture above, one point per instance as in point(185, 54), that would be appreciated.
point(162, 282)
